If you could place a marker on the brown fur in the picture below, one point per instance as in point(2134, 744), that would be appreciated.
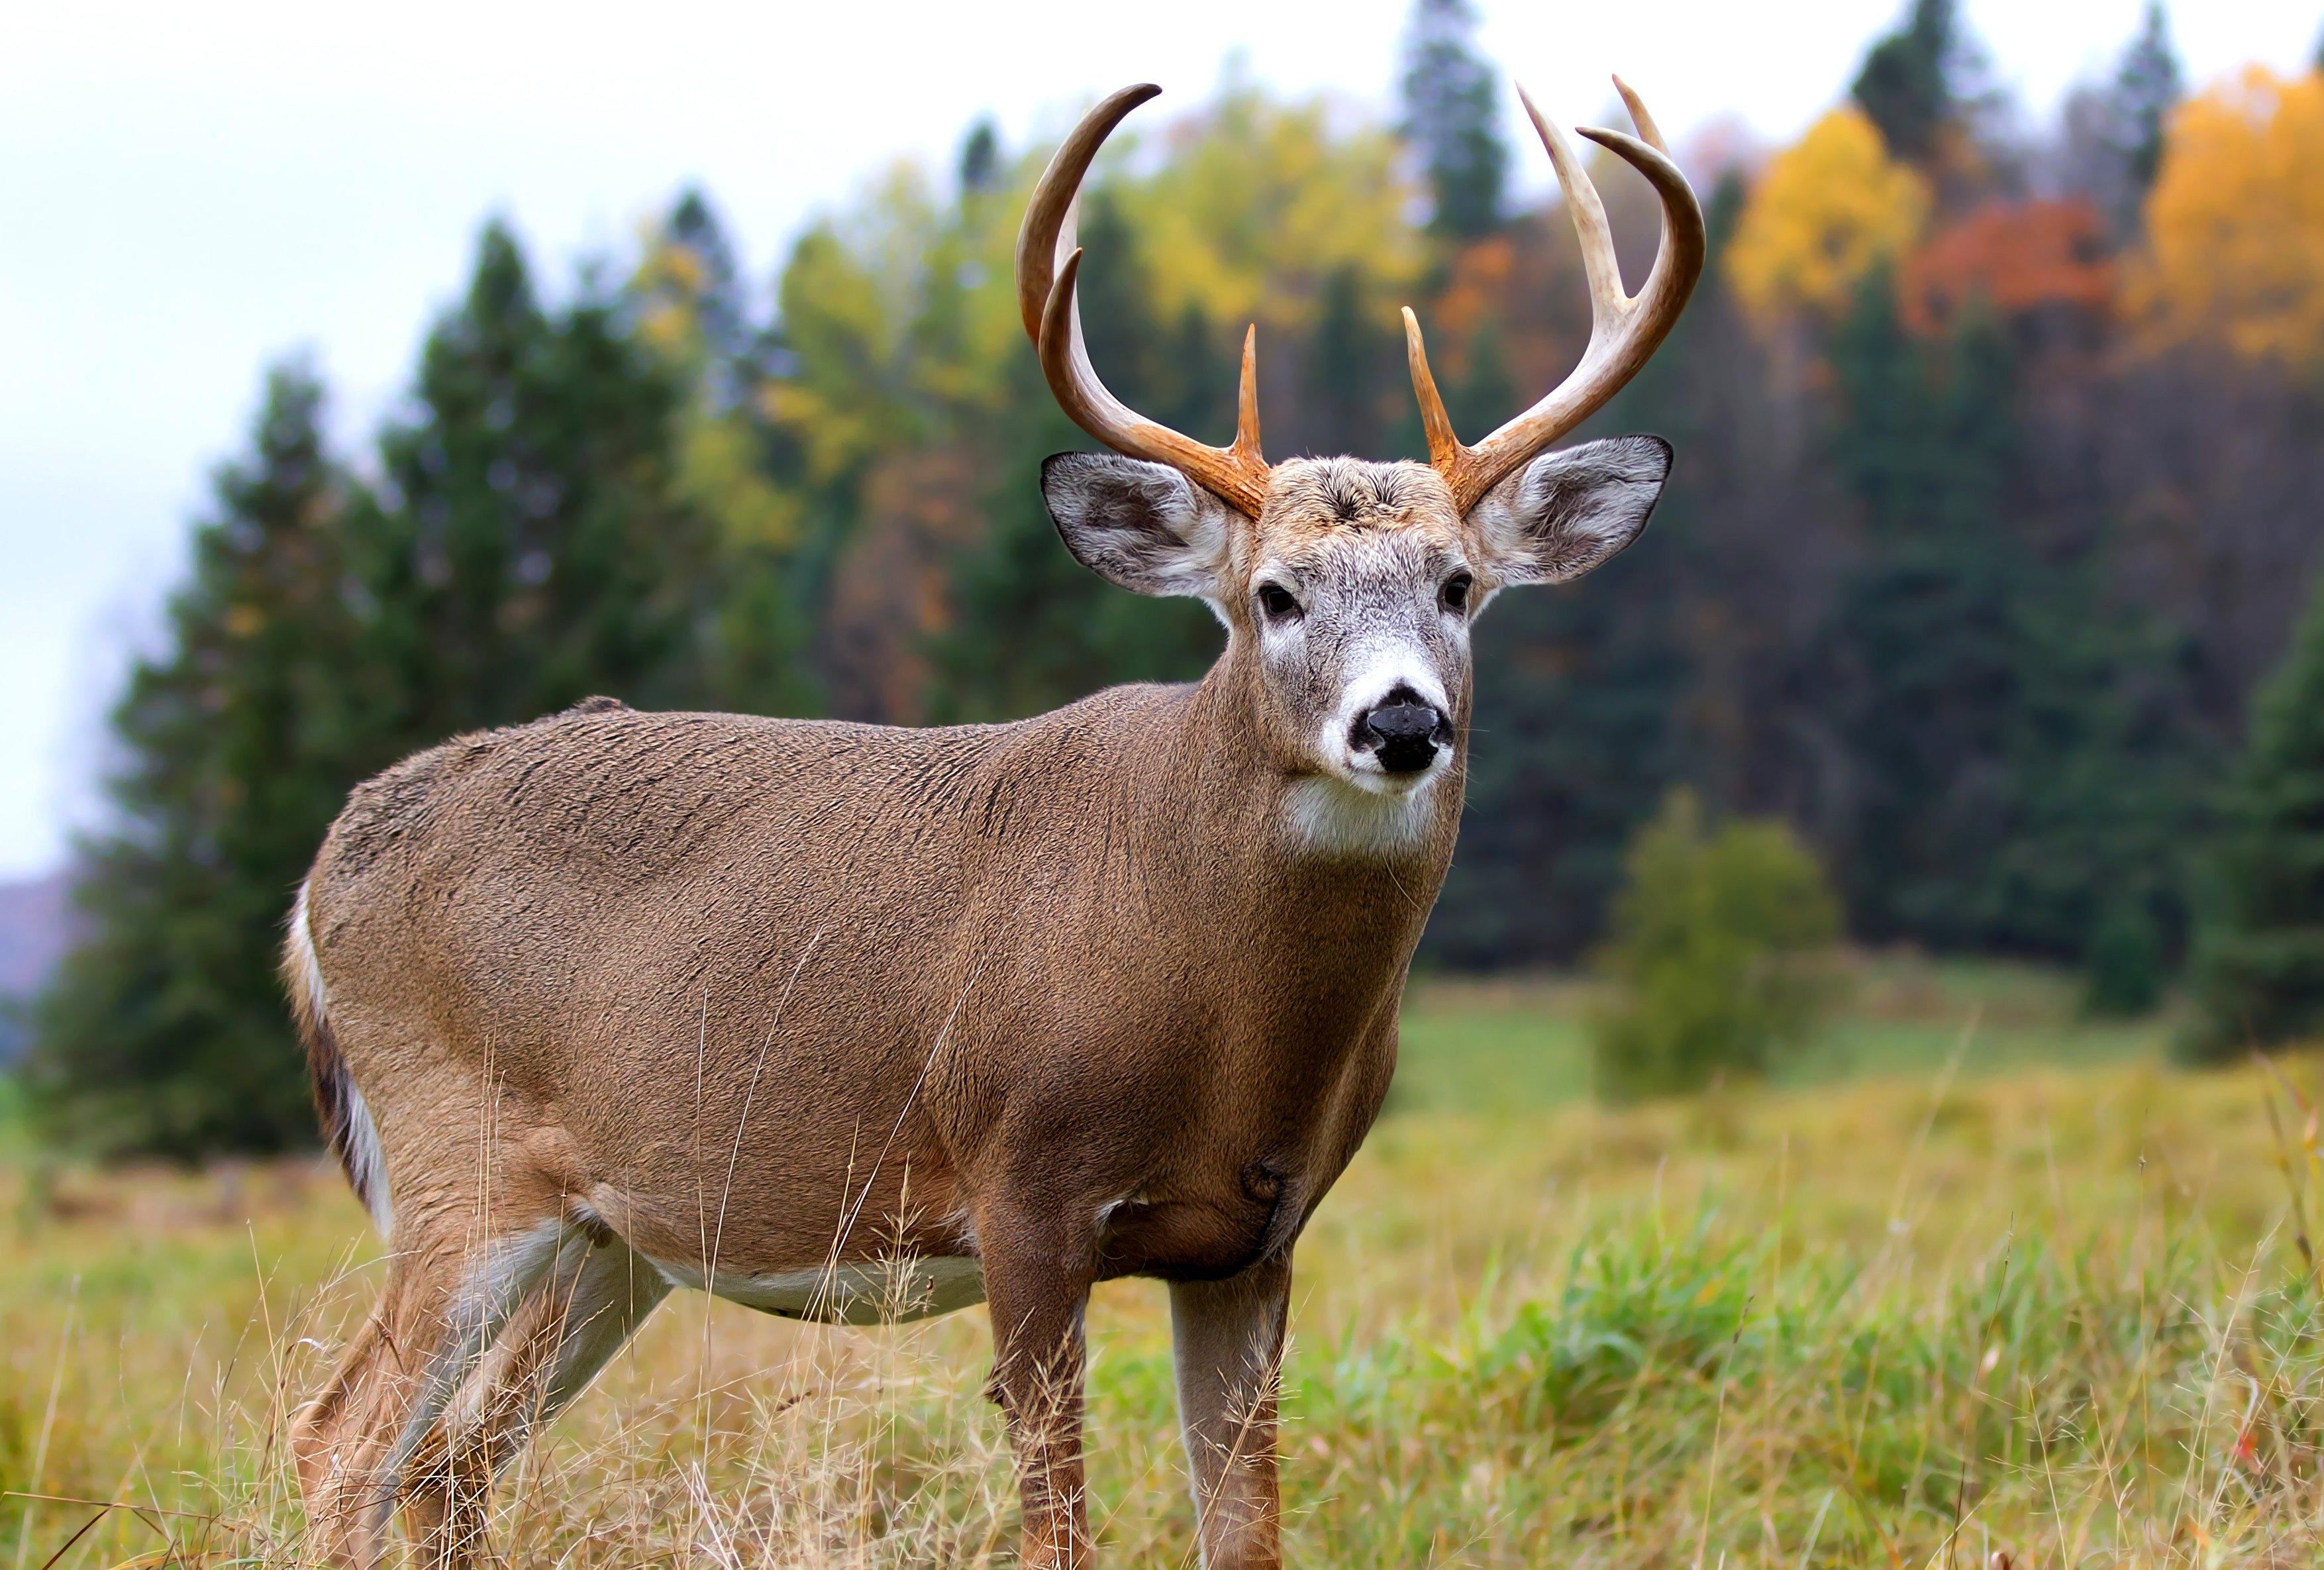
point(634, 998)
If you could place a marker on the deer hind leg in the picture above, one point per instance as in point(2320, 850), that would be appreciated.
point(448, 1299)
point(593, 1300)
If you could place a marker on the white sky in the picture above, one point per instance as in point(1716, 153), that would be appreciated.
point(188, 190)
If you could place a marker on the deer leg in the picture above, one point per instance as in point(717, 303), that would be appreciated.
point(1227, 1338)
point(554, 1344)
point(445, 1302)
point(1037, 1282)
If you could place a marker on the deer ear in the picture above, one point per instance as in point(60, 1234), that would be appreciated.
point(1143, 526)
point(1567, 511)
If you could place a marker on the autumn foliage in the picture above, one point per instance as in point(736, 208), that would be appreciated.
point(1827, 211)
point(2015, 257)
point(2235, 222)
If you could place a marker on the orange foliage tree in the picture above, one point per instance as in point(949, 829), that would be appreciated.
point(2013, 256)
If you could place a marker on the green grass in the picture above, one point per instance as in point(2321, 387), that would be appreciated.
point(1975, 1275)
point(1520, 1047)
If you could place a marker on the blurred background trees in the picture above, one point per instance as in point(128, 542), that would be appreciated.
point(2000, 490)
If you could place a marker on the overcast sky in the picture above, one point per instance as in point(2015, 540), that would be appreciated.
point(188, 191)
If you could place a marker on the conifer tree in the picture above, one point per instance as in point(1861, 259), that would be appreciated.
point(1347, 371)
point(2011, 784)
point(533, 544)
point(163, 1031)
point(2260, 970)
point(979, 157)
point(688, 305)
point(2147, 86)
point(1449, 118)
point(1905, 82)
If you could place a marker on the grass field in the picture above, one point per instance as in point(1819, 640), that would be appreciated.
point(1971, 1276)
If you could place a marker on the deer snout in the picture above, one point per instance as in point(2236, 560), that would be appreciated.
point(1403, 732)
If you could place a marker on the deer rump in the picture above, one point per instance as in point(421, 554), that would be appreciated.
point(768, 1000)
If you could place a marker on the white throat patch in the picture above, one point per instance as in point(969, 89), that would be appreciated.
point(1330, 816)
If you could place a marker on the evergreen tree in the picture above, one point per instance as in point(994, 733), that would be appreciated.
point(1906, 84)
point(2147, 86)
point(979, 157)
point(2012, 781)
point(721, 313)
point(1449, 117)
point(533, 544)
point(2260, 967)
point(688, 305)
point(1347, 371)
point(164, 1032)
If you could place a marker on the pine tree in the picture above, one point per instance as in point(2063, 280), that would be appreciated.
point(979, 157)
point(2147, 86)
point(1906, 83)
point(2260, 969)
point(1449, 117)
point(687, 304)
point(1581, 691)
point(1346, 371)
point(163, 1031)
point(2011, 784)
point(533, 544)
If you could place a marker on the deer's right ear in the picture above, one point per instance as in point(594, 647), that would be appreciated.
point(1143, 526)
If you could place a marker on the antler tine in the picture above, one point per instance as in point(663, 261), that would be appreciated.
point(1648, 132)
point(1048, 266)
point(1623, 330)
point(1590, 226)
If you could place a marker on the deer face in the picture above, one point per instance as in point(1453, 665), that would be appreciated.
point(1348, 599)
point(1348, 588)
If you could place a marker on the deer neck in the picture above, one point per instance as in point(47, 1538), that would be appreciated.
point(1303, 862)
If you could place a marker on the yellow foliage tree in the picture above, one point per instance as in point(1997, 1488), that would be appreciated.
point(1258, 203)
point(1828, 210)
point(2235, 222)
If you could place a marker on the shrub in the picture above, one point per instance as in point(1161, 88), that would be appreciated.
point(1713, 953)
point(2123, 969)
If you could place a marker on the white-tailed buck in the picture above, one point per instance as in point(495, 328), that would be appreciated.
point(849, 1022)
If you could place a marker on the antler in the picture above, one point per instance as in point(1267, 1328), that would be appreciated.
point(1047, 265)
point(1623, 331)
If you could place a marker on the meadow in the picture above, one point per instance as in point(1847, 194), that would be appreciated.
point(1970, 1276)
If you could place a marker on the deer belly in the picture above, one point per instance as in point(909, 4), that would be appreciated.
point(881, 1292)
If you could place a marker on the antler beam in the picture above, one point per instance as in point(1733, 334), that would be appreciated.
point(1048, 264)
point(1623, 330)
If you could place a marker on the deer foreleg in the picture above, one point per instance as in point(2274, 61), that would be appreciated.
point(1036, 1278)
point(1227, 1338)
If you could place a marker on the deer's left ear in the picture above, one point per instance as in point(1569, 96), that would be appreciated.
point(1567, 511)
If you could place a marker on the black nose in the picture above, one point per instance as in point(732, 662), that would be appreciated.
point(1404, 732)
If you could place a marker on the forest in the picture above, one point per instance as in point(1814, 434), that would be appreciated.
point(1988, 564)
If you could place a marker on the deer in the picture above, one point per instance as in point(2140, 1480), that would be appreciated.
point(855, 1023)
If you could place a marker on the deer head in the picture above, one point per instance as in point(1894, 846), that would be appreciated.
point(1347, 588)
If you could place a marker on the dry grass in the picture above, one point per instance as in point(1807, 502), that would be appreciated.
point(2059, 1312)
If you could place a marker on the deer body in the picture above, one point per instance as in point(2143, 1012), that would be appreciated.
point(852, 1022)
point(894, 963)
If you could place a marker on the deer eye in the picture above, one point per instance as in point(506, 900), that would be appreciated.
point(1277, 605)
point(1456, 591)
